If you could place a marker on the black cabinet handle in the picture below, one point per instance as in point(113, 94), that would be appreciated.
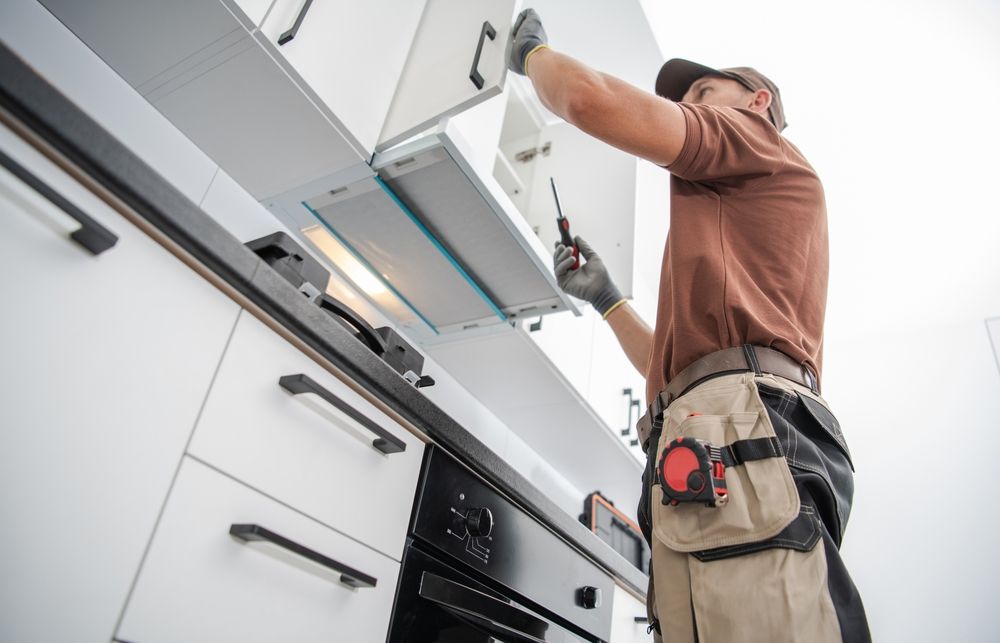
point(474, 75)
point(294, 29)
point(348, 575)
point(503, 620)
point(91, 234)
point(299, 384)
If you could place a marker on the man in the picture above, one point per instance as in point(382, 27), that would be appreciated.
point(748, 483)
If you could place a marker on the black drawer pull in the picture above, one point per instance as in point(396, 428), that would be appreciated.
point(348, 576)
point(474, 75)
point(294, 29)
point(299, 384)
point(91, 234)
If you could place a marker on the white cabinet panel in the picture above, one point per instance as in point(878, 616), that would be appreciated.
point(58, 55)
point(198, 583)
point(349, 55)
point(624, 611)
point(106, 361)
point(142, 38)
point(514, 378)
point(436, 79)
point(300, 449)
point(249, 116)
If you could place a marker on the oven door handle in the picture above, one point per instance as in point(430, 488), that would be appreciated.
point(505, 620)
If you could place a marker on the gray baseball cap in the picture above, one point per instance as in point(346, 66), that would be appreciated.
point(677, 74)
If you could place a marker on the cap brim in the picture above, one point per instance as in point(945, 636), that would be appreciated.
point(676, 76)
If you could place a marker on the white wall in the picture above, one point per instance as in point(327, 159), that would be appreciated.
point(920, 407)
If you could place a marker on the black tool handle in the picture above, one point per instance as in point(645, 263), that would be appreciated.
point(355, 321)
point(563, 223)
point(91, 234)
point(294, 29)
point(348, 575)
point(474, 75)
point(300, 384)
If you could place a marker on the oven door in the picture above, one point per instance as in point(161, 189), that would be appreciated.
point(436, 602)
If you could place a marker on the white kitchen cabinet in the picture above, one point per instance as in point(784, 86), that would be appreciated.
point(457, 60)
point(628, 619)
point(106, 362)
point(249, 116)
point(514, 378)
point(219, 87)
point(355, 78)
point(310, 453)
point(144, 39)
point(35, 35)
point(348, 55)
point(199, 583)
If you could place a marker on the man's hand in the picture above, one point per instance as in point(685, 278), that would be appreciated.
point(528, 36)
point(590, 282)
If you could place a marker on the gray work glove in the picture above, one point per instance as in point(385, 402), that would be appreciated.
point(528, 35)
point(590, 282)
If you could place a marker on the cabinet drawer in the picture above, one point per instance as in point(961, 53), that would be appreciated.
point(199, 583)
point(312, 454)
point(628, 619)
point(104, 368)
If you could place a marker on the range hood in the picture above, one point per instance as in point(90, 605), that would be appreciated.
point(442, 238)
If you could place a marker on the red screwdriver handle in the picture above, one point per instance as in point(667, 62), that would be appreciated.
point(567, 240)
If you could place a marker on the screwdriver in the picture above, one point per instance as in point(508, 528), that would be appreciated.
point(563, 223)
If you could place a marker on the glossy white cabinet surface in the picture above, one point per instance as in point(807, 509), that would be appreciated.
point(255, 122)
point(349, 54)
point(198, 583)
point(38, 37)
point(624, 628)
point(106, 362)
point(300, 449)
point(436, 79)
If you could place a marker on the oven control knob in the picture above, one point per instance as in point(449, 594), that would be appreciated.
point(589, 597)
point(479, 522)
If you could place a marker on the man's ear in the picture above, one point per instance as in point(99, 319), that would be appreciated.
point(761, 101)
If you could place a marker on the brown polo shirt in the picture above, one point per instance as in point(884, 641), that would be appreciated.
point(746, 259)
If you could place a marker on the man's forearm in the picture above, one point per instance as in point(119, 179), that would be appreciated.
point(635, 337)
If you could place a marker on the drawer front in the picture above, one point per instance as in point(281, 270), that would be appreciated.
point(312, 454)
point(199, 583)
point(103, 369)
point(628, 619)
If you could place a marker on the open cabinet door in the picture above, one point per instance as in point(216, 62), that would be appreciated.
point(454, 63)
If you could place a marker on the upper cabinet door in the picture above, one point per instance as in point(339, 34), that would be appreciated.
point(347, 55)
point(453, 44)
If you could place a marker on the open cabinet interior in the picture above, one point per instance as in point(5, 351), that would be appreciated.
point(596, 182)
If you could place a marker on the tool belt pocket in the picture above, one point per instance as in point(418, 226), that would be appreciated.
point(759, 496)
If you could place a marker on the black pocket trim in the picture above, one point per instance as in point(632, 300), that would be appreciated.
point(829, 423)
point(801, 534)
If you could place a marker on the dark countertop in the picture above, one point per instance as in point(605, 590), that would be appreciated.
point(66, 128)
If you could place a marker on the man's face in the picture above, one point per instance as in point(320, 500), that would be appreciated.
point(722, 92)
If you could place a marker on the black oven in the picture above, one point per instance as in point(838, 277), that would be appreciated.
point(478, 568)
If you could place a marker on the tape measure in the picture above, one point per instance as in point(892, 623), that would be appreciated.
point(692, 470)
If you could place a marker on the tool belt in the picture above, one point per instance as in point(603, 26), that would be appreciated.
point(741, 359)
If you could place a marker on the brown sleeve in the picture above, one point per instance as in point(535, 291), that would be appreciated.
point(726, 146)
